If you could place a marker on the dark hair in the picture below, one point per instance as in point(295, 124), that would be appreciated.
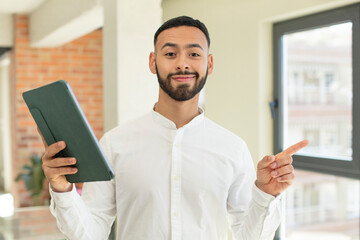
point(183, 21)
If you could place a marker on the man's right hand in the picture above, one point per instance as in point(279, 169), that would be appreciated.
point(55, 169)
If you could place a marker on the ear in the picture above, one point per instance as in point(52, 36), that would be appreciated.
point(152, 63)
point(210, 64)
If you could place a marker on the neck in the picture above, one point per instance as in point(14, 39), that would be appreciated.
point(178, 112)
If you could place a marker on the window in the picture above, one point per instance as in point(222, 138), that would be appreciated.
point(317, 87)
point(317, 95)
point(322, 206)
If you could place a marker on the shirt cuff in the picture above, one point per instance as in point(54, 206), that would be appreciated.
point(64, 199)
point(262, 198)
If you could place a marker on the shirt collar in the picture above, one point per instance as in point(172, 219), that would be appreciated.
point(163, 121)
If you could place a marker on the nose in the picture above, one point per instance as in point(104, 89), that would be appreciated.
point(182, 63)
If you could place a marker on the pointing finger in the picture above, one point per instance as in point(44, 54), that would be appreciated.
point(295, 148)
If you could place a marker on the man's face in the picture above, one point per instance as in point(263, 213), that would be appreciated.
point(181, 62)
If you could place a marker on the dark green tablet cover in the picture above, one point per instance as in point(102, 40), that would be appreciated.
point(59, 117)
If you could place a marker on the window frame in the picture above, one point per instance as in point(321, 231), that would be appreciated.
point(351, 13)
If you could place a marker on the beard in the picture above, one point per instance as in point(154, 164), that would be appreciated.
point(182, 92)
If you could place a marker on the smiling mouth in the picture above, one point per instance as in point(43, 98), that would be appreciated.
point(183, 78)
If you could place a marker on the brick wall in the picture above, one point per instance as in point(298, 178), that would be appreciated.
point(35, 223)
point(78, 62)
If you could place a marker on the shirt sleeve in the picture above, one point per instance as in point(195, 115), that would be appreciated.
point(252, 213)
point(89, 216)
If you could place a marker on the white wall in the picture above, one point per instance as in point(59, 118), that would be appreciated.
point(240, 88)
point(6, 30)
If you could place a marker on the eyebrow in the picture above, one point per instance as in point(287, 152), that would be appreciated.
point(191, 45)
point(169, 45)
point(194, 45)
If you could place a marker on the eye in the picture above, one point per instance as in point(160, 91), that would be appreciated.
point(194, 54)
point(170, 54)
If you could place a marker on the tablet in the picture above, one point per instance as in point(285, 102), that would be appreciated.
point(59, 117)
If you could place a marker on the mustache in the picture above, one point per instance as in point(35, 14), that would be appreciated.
point(183, 73)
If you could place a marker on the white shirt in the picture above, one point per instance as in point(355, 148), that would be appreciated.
point(179, 184)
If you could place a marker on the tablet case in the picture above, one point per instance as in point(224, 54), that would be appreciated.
point(59, 117)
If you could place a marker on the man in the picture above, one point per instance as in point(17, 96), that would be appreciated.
point(178, 175)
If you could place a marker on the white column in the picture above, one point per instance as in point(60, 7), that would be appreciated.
point(5, 123)
point(130, 90)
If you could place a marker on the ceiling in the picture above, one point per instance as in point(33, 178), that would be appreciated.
point(19, 6)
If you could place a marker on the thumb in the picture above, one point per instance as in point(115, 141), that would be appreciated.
point(265, 162)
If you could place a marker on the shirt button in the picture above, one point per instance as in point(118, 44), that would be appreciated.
point(177, 145)
point(176, 178)
point(175, 214)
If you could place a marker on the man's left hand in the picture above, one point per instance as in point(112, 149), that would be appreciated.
point(276, 173)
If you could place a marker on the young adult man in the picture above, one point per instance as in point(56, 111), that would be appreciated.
point(178, 175)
